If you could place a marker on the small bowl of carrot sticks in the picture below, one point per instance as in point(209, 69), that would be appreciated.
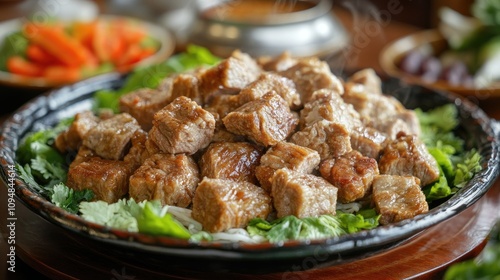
point(54, 53)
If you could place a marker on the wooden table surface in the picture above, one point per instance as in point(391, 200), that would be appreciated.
point(45, 251)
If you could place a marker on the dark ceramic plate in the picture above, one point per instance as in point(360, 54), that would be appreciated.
point(476, 128)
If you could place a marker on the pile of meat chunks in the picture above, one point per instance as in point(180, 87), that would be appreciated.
point(251, 138)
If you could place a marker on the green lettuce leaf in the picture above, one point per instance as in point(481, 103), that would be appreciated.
point(443, 117)
point(364, 219)
point(152, 221)
point(117, 215)
point(324, 226)
point(443, 159)
point(146, 217)
point(439, 189)
point(466, 166)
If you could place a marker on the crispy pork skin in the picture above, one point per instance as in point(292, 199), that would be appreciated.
point(229, 76)
point(267, 82)
point(71, 139)
point(311, 74)
point(171, 179)
point(265, 121)
point(182, 127)
point(285, 154)
point(302, 195)
point(108, 179)
point(221, 204)
point(407, 155)
point(110, 138)
point(143, 103)
point(329, 139)
point(351, 173)
point(230, 160)
point(398, 198)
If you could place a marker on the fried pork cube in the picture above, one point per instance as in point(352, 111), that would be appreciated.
point(285, 155)
point(302, 195)
point(277, 63)
point(138, 152)
point(187, 84)
point(392, 126)
point(221, 134)
point(108, 179)
point(369, 79)
point(229, 76)
point(143, 103)
point(267, 82)
point(410, 118)
point(329, 139)
point(368, 141)
point(84, 154)
point(351, 173)
point(311, 74)
point(230, 160)
point(327, 104)
point(71, 139)
point(171, 179)
point(384, 113)
point(408, 156)
point(222, 105)
point(265, 121)
point(221, 204)
point(397, 198)
point(110, 138)
point(182, 127)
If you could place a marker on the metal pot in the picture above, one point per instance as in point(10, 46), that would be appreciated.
point(304, 32)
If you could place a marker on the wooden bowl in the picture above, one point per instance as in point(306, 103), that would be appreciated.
point(395, 51)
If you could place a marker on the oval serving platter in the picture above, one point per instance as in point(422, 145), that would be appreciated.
point(476, 128)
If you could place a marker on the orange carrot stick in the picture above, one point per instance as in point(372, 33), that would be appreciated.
point(83, 32)
point(38, 55)
point(57, 43)
point(62, 74)
point(21, 66)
